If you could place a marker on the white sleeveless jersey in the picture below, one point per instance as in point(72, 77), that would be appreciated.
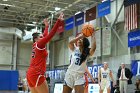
point(75, 65)
point(105, 74)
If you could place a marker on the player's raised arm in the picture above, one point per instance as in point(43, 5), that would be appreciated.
point(42, 42)
point(74, 40)
point(46, 22)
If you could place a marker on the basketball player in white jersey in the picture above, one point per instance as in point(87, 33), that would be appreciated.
point(104, 76)
point(74, 77)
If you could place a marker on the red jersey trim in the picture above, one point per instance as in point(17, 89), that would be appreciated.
point(40, 48)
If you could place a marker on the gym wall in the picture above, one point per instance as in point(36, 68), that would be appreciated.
point(5, 51)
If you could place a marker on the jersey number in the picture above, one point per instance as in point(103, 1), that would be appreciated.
point(104, 76)
point(33, 54)
point(77, 61)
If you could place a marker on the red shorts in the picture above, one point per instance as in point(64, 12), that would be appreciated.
point(35, 79)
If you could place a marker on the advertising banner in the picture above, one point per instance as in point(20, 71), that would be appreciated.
point(94, 70)
point(61, 28)
point(135, 67)
point(104, 8)
point(79, 19)
point(69, 23)
point(134, 38)
point(91, 14)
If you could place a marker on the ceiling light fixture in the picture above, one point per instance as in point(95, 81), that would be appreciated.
point(106, 0)
point(57, 8)
point(7, 5)
point(5, 0)
point(34, 22)
point(77, 12)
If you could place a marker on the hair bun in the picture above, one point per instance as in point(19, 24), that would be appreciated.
point(35, 34)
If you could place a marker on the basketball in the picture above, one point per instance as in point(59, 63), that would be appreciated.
point(87, 30)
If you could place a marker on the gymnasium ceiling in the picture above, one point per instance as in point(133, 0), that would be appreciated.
point(27, 13)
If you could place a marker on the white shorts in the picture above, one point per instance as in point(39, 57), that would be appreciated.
point(105, 84)
point(72, 79)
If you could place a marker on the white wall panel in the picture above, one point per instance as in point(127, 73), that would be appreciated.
point(5, 51)
point(25, 53)
point(5, 67)
point(115, 7)
point(59, 52)
point(11, 30)
point(61, 55)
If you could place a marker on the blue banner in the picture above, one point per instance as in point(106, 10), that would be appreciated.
point(104, 8)
point(69, 23)
point(51, 74)
point(94, 70)
point(56, 73)
point(135, 67)
point(79, 19)
point(9, 80)
point(134, 38)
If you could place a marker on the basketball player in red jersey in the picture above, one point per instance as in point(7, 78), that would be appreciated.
point(35, 74)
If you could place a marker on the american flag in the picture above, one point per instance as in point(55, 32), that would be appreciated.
point(131, 12)
point(131, 17)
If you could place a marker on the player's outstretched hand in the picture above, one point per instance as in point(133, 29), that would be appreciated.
point(46, 22)
point(61, 16)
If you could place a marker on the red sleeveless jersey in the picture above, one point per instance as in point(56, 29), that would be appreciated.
point(39, 52)
point(38, 58)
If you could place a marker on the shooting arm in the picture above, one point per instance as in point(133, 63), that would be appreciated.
point(74, 40)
